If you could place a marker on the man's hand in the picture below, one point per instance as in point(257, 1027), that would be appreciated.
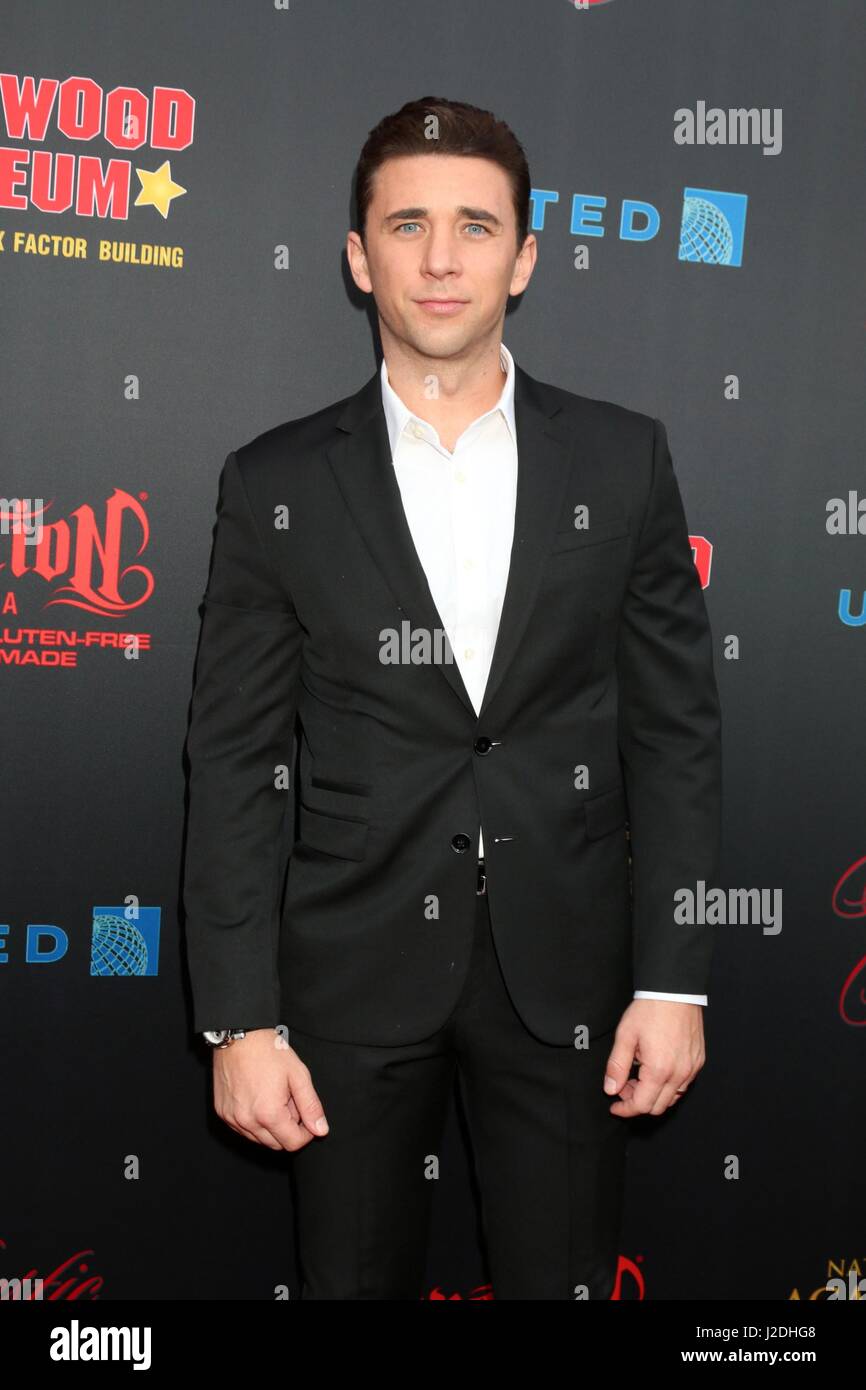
point(263, 1090)
point(667, 1039)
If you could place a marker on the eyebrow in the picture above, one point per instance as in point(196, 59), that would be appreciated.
point(475, 214)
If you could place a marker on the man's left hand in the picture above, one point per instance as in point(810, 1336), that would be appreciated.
point(666, 1039)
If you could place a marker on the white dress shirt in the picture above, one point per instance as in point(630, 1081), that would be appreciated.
point(460, 510)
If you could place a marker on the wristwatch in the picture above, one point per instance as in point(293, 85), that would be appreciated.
point(221, 1037)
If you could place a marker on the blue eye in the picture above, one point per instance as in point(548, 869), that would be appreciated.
point(479, 225)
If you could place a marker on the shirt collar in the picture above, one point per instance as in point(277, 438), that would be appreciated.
point(398, 415)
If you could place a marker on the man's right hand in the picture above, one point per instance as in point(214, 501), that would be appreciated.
point(263, 1090)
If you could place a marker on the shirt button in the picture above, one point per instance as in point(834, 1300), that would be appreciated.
point(468, 652)
point(459, 477)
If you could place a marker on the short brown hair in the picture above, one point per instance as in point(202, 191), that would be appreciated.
point(462, 129)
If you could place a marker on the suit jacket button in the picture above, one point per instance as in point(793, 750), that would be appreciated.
point(483, 745)
point(460, 843)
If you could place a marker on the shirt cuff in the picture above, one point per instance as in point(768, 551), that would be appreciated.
point(677, 998)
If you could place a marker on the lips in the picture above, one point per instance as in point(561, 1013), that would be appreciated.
point(441, 308)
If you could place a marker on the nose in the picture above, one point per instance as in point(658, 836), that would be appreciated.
point(441, 254)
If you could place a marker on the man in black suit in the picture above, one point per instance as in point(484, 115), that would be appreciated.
point(472, 596)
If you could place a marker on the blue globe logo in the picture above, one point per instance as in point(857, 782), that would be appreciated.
point(117, 947)
point(705, 234)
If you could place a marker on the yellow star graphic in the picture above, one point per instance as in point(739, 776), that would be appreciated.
point(157, 189)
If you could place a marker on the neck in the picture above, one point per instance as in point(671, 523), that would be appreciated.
point(448, 393)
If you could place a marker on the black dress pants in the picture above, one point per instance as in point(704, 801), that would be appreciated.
point(549, 1156)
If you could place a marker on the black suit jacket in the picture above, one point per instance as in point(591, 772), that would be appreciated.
point(603, 660)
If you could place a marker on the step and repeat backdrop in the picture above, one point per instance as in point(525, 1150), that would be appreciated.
point(175, 192)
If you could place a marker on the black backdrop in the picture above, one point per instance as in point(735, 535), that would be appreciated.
point(124, 385)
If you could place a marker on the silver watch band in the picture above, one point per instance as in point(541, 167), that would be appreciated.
point(221, 1037)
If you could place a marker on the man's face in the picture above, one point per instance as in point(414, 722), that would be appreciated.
point(440, 228)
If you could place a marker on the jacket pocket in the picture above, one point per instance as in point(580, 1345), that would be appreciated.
point(605, 812)
point(613, 529)
point(342, 836)
point(350, 788)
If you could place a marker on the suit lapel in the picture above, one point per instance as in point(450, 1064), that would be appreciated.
point(361, 461)
point(544, 447)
